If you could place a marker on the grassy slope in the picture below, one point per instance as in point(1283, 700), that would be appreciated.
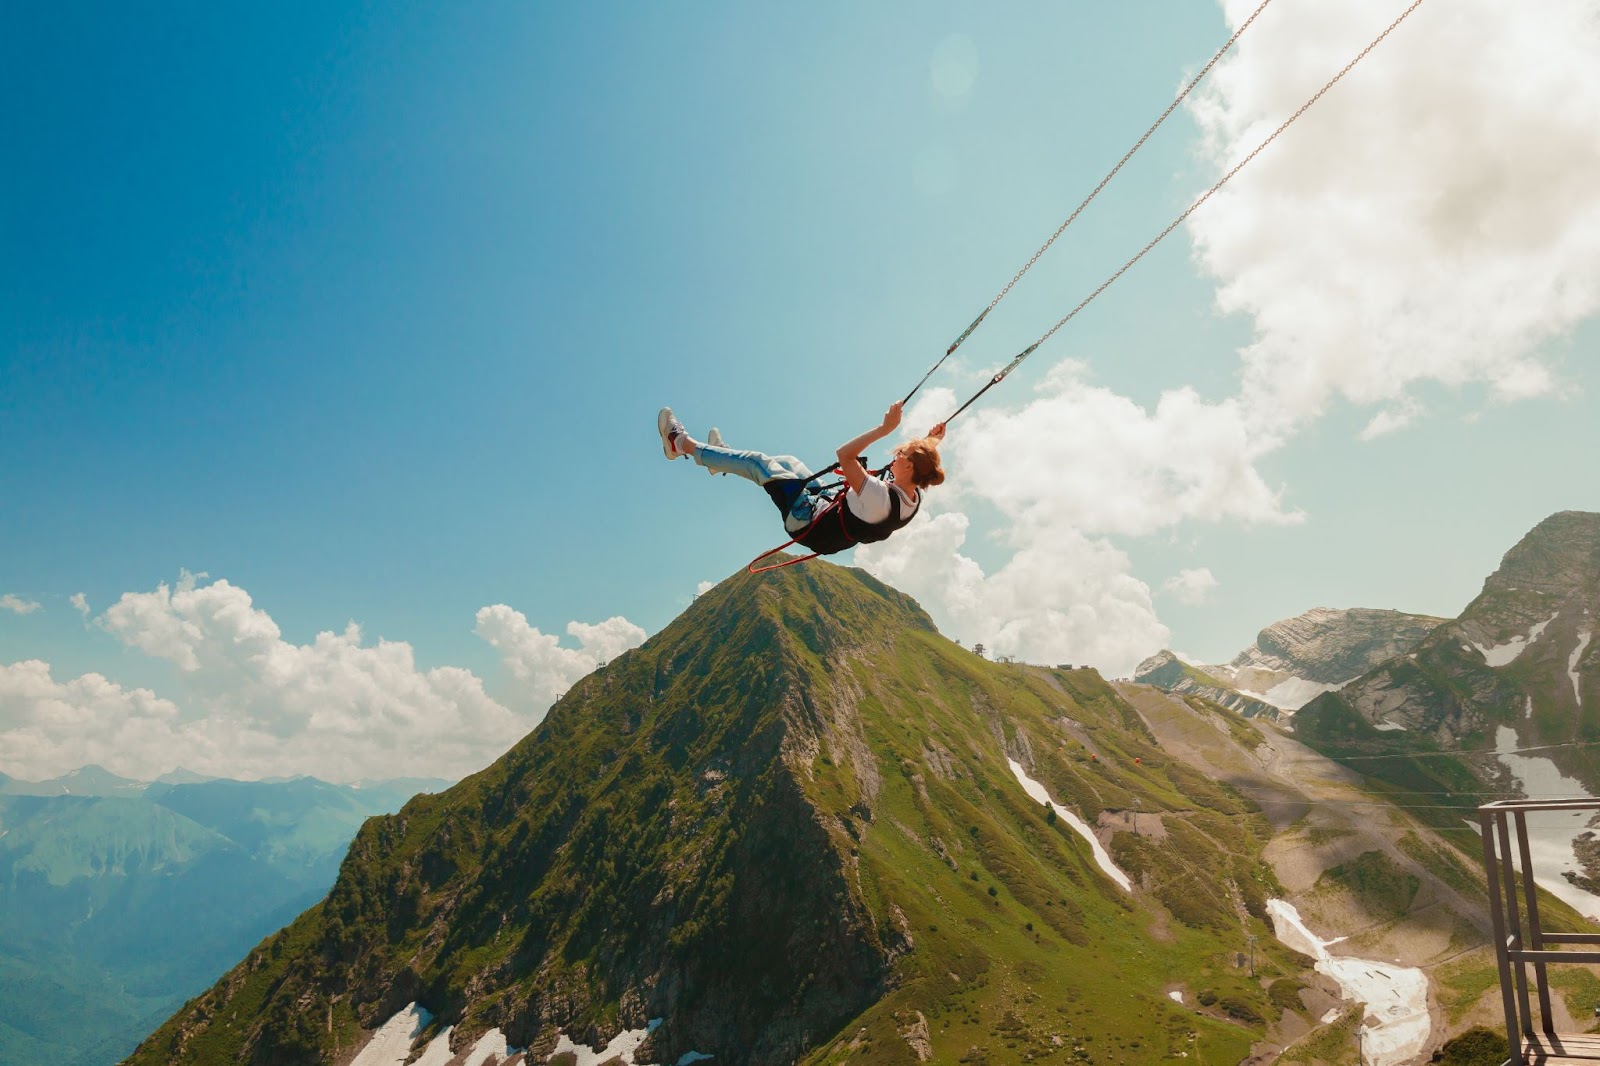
point(1057, 953)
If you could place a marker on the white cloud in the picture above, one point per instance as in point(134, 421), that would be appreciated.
point(1190, 587)
point(1434, 218)
point(81, 602)
point(48, 727)
point(1404, 411)
point(704, 587)
point(251, 704)
point(336, 708)
point(537, 660)
point(1061, 597)
point(1073, 464)
point(1079, 455)
point(17, 605)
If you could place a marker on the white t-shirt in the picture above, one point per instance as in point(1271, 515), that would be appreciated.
point(871, 504)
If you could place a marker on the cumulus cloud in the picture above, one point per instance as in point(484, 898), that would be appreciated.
point(48, 727)
point(1070, 467)
point(1060, 598)
point(250, 704)
point(704, 587)
point(81, 602)
point(1432, 219)
point(1082, 456)
point(537, 660)
point(16, 604)
point(256, 704)
point(1190, 587)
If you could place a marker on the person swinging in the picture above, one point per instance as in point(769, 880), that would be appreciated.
point(870, 506)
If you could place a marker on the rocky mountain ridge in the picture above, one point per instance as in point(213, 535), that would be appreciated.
point(1329, 646)
point(1517, 669)
point(1294, 660)
point(794, 827)
point(1166, 671)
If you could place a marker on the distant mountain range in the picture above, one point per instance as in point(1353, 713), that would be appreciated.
point(1294, 660)
point(1519, 669)
point(120, 899)
point(1431, 705)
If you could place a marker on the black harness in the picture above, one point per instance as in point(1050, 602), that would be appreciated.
point(834, 527)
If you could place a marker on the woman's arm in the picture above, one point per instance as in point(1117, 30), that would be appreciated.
point(855, 475)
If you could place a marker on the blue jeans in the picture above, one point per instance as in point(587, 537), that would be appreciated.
point(781, 475)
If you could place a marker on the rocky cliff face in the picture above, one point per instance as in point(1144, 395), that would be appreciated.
point(1521, 657)
point(792, 827)
point(1294, 660)
point(1166, 671)
point(1332, 646)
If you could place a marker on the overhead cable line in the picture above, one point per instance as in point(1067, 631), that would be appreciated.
point(1290, 788)
point(1029, 350)
point(976, 322)
point(1451, 754)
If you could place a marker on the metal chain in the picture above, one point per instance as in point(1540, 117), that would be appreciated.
point(1129, 155)
point(976, 322)
point(1206, 196)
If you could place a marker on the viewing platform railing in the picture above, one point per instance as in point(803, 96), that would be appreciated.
point(1513, 898)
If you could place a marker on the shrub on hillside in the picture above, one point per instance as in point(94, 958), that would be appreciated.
point(1475, 1047)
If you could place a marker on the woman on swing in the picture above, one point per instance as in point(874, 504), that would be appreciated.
point(873, 507)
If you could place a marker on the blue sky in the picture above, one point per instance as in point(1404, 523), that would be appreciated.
point(364, 312)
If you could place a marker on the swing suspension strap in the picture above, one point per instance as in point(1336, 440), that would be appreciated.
point(837, 501)
point(1175, 223)
point(976, 322)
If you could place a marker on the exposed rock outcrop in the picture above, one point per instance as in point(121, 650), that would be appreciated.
point(1330, 646)
point(1294, 660)
point(1521, 657)
point(1166, 671)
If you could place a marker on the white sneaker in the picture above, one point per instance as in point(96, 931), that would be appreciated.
point(714, 438)
point(669, 427)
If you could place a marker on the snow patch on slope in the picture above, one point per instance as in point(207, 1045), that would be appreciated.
point(1550, 833)
point(391, 1046)
point(1505, 654)
point(1295, 692)
point(622, 1047)
point(1572, 664)
point(1396, 995)
point(438, 1052)
point(490, 1049)
point(1101, 857)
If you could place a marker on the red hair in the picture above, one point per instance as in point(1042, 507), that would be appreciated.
point(926, 470)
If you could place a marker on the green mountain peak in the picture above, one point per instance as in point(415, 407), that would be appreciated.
point(788, 825)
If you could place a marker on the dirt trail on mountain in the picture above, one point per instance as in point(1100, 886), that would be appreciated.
point(1321, 819)
point(1273, 773)
point(1318, 812)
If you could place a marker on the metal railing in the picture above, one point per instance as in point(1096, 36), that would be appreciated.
point(1513, 896)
